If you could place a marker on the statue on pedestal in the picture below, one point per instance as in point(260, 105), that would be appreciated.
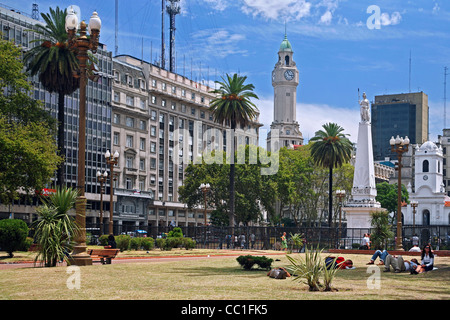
point(365, 105)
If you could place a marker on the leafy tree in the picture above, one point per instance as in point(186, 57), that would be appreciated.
point(56, 65)
point(28, 158)
point(331, 149)
point(234, 107)
point(387, 196)
point(13, 233)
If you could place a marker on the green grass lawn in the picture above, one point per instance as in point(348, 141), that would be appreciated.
point(214, 278)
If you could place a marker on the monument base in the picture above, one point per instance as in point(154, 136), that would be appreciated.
point(359, 217)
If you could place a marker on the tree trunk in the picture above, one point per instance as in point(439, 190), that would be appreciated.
point(61, 140)
point(232, 175)
point(330, 197)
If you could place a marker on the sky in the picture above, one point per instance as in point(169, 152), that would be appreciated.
point(339, 46)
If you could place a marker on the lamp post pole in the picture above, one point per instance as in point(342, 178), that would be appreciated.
point(111, 160)
point(414, 205)
point(399, 146)
point(205, 188)
point(101, 177)
point(341, 195)
point(80, 44)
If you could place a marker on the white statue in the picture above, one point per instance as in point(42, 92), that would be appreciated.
point(365, 105)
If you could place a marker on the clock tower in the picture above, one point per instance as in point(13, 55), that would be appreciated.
point(285, 130)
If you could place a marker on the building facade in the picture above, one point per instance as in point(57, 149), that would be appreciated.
point(16, 27)
point(398, 114)
point(161, 123)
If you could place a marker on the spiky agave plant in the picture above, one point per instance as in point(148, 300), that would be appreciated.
point(55, 229)
point(308, 269)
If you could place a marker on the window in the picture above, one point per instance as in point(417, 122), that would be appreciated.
point(130, 101)
point(193, 96)
point(116, 138)
point(174, 89)
point(153, 115)
point(142, 144)
point(143, 125)
point(174, 106)
point(116, 97)
point(129, 141)
point(153, 131)
point(130, 122)
point(193, 111)
point(163, 102)
point(142, 184)
point(202, 114)
point(426, 166)
point(154, 83)
point(142, 164)
point(143, 104)
point(129, 162)
point(154, 100)
point(183, 92)
point(426, 218)
point(153, 147)
point(152, 179)
point(129, 183)
point(164, 86)
point(153, 163)
point(116, 118)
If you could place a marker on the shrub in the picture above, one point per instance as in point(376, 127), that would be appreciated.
point(13, 234)
point(26, 245)
point(103, 240)
point(308, 269)
point(175, 233)
point(247, 262)
point(188, 243)
point(148, 243)
point(135, 243)
point(123, 242)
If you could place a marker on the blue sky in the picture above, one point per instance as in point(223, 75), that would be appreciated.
point(335, 48)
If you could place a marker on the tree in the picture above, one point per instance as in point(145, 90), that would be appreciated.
point(56, 65)
point(13, 233)
point(331, 149)
point(233, 106)
point(28, 156)
point(387, 196)
point(55, 229)
point(381, 229)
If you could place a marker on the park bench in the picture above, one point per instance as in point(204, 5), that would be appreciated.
point(103, 255)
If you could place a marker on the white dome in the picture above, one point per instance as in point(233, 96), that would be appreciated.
point(428, 146)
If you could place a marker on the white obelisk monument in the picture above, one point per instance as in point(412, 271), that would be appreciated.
point(364, 190)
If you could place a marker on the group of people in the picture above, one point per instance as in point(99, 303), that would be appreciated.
point(240, 241)
point(398, 264)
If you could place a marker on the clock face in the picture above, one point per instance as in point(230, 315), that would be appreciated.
point(425, 178)
point(289, 75)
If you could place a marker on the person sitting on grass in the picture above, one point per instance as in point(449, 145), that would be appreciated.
point(427, 258)
point(379, 254)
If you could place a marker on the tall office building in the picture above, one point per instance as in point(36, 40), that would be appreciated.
point(16, 27)
point(161, 123)
point(405, 114)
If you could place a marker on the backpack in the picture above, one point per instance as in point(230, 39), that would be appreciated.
point(278, 273)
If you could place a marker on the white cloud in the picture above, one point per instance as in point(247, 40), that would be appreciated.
point(275, 10)
point(218, 43)
point(326, 18)
point(392, 19)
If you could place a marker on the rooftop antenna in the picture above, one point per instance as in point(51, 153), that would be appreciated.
point(409, 71)
point(445, 97)
point(172, 10)
point(35, 11)
point(116, 47)
point(163, 46)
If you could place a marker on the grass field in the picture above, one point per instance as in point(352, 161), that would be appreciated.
point(214, 278)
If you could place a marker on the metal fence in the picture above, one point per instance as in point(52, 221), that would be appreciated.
point(267, 238)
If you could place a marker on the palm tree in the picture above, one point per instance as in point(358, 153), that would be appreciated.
point(56, 65)
point(331, 149)
point(234, 107)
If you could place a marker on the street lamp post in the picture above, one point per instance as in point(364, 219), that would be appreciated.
point(414, 205)
point(101, 177)
point(111, 160)
point(340, 194)
point(80, 44)
point(205, 188)
point(399, 146)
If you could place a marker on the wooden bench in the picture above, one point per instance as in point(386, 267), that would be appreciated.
point(103, 255)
